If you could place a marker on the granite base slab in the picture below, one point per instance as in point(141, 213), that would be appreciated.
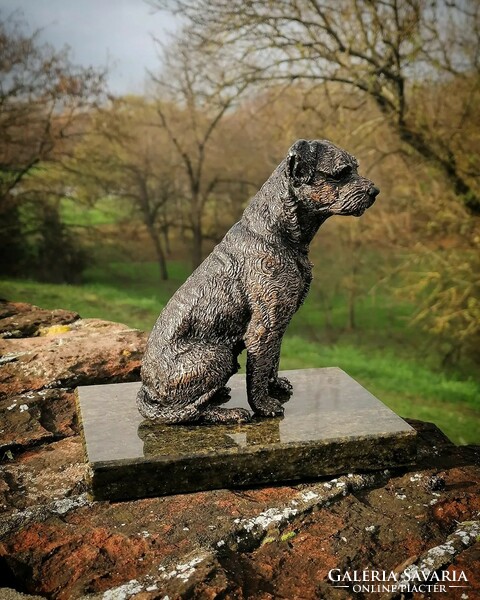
point(331, 425)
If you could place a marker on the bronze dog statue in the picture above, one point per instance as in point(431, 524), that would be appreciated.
point(246, 291)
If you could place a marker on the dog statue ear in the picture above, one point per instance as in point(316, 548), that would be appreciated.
point(302, 161)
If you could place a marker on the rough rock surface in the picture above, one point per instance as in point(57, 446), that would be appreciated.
point(24, 320)
point(84, 352)
point(261, 543)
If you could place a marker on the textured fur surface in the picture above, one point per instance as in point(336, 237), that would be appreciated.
point(246, 291)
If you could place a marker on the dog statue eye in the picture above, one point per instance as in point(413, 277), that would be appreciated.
point(344, 172)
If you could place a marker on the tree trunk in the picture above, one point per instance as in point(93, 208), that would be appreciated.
point(162, 262)
point(197, 244)
point(161, 259)
point(166, 239)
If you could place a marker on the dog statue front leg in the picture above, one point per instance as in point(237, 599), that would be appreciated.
point(279, 387)
point(262, 350)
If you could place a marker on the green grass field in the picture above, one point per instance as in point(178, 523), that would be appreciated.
point(394, 361)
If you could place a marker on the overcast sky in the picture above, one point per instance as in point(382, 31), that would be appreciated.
point(100, 32)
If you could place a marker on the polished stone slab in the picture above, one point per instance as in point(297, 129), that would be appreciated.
point(332, 425)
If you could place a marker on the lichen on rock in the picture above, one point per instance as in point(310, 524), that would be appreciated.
point(259, 543)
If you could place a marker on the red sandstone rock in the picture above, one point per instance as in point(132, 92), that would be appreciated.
point(18, 319)
point(468, 562)
point(33, 417)
point(43, 475)
point(86, 352)
point(263, 543)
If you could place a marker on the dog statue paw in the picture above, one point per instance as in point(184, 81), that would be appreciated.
point(280, 388)
point(215, 415)
point(269, 407)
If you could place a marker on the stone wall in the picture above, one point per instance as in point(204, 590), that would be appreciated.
point(262, 543)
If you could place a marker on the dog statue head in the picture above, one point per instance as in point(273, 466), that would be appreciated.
point(325, 179)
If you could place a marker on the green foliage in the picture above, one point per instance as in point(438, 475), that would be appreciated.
point(44, 100)
point(106, 211)
point(36, 243)
point(448, 284)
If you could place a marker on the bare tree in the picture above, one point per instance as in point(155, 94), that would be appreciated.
point(385, 49)
point(125, 158)
point(193, 97)
point(41, 93)
point(42, 97)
